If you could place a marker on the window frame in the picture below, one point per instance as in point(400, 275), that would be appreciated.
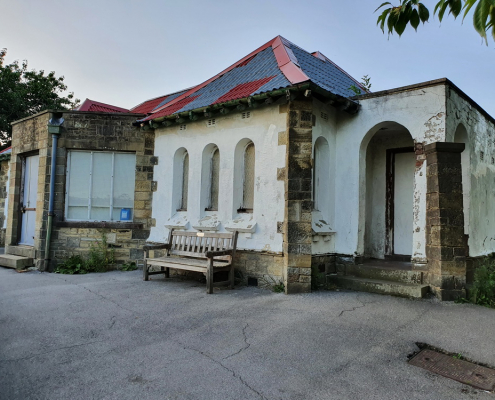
point(90, 183)
point(209, 199)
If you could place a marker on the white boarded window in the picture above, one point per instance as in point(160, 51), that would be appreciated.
point(185, 180)
point(214, 181)
point(248, 179)
point(100, 185)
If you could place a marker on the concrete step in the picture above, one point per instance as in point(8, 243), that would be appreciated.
point(380, 286)
point(17, 262)
point(385, 274)
point(24, 251)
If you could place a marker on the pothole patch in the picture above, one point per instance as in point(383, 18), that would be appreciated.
point(454, 367)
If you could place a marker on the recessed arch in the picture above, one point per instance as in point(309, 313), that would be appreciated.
point(244, 176)
point(386, 201)
point(210, 178)
point(180, 187)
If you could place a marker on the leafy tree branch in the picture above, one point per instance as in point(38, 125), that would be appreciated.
point(412, 12)
point(26, 92)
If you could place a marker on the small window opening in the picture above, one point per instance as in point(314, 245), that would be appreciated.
point(214, 182)
point(185, 180)
point(248, 180)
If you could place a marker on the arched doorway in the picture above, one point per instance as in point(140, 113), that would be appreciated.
point(389, 192)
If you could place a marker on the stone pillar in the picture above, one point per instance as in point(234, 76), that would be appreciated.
point(445, 246)
point(298, 201)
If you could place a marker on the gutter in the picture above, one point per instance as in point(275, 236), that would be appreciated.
point(54, 127)
point(348, 105)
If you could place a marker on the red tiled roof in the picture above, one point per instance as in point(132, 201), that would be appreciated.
point(275, 65)
point(148, 106)
point(175, 107)
point(95, 106)
point(243, 90)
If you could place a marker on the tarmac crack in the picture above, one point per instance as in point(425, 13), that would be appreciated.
point(97, 294)
point(51, 351)
point(246, 344)
point(363, 304)
point(234, 374)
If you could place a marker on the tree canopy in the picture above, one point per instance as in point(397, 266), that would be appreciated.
point(412, 12)
point(25, 92)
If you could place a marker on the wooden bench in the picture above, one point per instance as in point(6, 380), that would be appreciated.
point(195, 251)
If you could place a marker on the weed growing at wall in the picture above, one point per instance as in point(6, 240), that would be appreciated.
point(99, 259)
point(482, 291)
point(129, 267)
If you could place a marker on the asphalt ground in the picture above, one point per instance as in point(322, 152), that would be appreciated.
point(114, 336)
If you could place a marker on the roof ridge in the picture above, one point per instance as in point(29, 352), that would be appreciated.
point(326, 59)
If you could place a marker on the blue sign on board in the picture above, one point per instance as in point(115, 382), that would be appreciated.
point(125, 214)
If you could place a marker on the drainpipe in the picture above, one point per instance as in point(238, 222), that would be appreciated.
point(54, 127)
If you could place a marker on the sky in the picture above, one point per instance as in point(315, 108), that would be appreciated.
point(123, 52)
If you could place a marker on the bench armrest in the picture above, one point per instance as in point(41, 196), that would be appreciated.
point(159, 246)
point(211, 254)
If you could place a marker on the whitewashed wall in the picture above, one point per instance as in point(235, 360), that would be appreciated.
point(481, 136)
point(422, 113)
point(262, 128)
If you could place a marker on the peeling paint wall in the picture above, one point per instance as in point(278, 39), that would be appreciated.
point(262, 128)
point(481, 136)
point(422, 112)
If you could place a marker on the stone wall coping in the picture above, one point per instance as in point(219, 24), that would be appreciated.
point(76, 112)
point(98, 224)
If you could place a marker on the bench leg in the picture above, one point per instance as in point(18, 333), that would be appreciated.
point(209, 277)
point(231, 277)
point(167, 272)
point(145, 271)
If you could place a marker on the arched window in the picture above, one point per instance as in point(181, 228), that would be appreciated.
point(214, 181)
point(185, 180)
point(180, 180)
point(248, 179)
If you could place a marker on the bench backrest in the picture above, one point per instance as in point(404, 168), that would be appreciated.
point(196, 244)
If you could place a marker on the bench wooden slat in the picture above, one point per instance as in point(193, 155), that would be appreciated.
point(186, 251)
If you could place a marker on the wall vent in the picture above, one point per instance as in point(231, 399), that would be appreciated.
point(182, 127)
point(493, 160)
point(211, 122)
point(324, 116)
point(482, 155)
point(246, 114)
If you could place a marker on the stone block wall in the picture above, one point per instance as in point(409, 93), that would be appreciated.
point(84, 131)
point(445, 245)
point(298, 197)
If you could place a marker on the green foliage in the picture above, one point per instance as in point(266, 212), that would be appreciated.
point(457, 356)
point(279, 288)
point(355, 89)
point(366, 83)
point(129, 267)
point(412, 12)
point(483, 290)
point(25, 92)
point(318, 278)
point(99, 259)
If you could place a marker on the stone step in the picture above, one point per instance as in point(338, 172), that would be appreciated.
point(380, 286)
point(24, 251)
point(384, 274)
point(17, 262)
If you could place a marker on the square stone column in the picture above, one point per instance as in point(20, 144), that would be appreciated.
point(298, 197)
point(445, 245)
